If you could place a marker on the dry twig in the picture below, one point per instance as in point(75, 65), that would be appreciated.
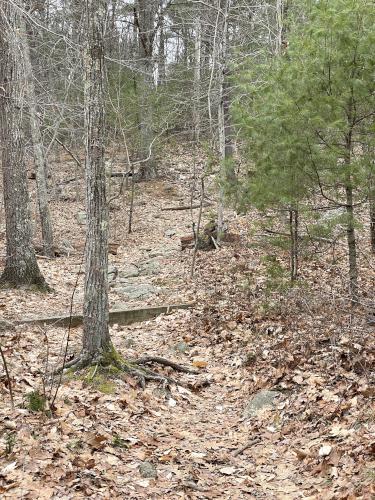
point(8, 377)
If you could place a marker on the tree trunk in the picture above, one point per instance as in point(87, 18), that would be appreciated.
point(225, 145)
point(75, 18)
point(372, 215)
point(293, 228)
point(21, 267)
point(161, 54)
point(350, 231)
point(279, 26)
point(352, 246)
point(197, 79)
point(96, 339)
point(145, 19)
point(40, 161)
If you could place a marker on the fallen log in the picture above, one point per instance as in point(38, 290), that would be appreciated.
point(118, 316)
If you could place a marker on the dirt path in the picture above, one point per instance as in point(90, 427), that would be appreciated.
point(199, 432)
point(106, 429)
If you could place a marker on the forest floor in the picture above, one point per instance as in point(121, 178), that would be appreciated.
point(283, 406)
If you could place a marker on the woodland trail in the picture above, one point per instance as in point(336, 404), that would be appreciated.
point(199, 433)
point(105, 429)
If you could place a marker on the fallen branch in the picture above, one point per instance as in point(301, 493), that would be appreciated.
point(216, 245)
point(247, 445)
point(122, 174)
point(44, 257)
point(301, 236)
point(186, 207)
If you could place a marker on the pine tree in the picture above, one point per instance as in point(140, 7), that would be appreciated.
point(309, 121)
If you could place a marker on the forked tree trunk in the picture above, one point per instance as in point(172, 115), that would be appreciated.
point(39, 157)
point(21, 267)
point(96, 339)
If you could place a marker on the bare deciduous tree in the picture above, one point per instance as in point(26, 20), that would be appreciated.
point(96, 339)
point(21, 267)
point(40, 161)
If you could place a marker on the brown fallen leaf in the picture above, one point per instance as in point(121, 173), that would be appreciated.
point(200, 363)
point(84, 461)
point(96, 441)
point(301, 454)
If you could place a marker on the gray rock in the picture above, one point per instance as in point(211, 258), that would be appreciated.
point(81, 218)
point(148, 470)
point(129, 342)
point(161, 252)
point(149, 267)
point(137, 291)
point(6, 325)
point(130, 271)
point(262, 400)
point(181, 347)
point(170, 233)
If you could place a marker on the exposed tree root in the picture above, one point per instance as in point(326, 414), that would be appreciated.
point(134, 368)
point(165, 362)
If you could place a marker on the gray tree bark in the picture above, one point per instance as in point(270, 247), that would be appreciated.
point(350, 224)
point(279, 25)
point(161, 54)
point(225, 140)
point(372, 217)
point(145, 20)
point(197, 79)
point(352, 245)
point(21, 267)
point(96, 339)
point(39, 157)
point(371, 200)
point(294, 251)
